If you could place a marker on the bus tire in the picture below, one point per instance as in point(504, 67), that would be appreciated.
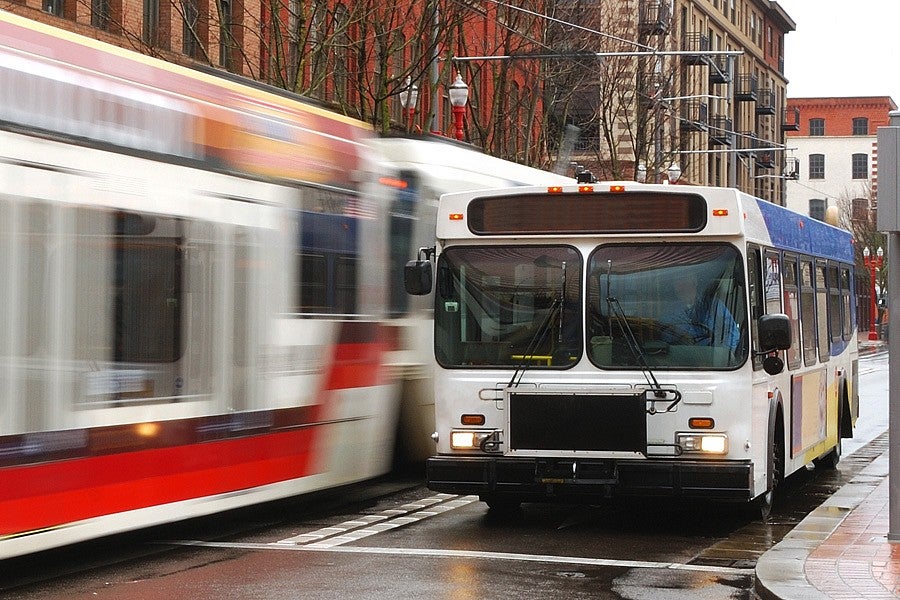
point(830, 461)
point(762, 506)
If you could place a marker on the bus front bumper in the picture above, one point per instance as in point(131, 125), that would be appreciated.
point(541, 479)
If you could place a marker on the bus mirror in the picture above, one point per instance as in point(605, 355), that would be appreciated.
point(417, 277)
point(772, 364)
point(774, 333)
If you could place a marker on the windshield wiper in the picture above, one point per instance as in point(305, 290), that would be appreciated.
point(536, 340)
point(541, 333)
point(635, 347)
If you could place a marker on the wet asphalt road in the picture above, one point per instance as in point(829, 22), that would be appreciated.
point(396, 539)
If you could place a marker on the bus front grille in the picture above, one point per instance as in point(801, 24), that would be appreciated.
point(563, 421)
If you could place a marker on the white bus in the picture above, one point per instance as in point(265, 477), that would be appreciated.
point(636, 340)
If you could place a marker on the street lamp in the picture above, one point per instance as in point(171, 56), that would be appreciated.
point(408, 99)
point(873, 263)
point(674, 172)
point(641, 174)
point(459, 95)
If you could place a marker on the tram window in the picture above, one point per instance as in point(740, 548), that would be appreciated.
point(822, 311)
point(345, 285)
point(36, 279)
point(847, 322)
point(835, 321)
point(792, 307)
point(313, 279)
point(402, 225)
point(128, 288)
point(243, 289)
point(327, 246)
point(808, 312)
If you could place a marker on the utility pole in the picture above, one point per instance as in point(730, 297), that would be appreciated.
point(889, 222)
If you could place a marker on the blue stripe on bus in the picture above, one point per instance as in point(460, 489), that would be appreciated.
point(789, 230)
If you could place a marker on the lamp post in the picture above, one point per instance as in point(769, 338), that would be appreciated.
point(459, 95)
point(674, 172)
point(640, 174)
point(408, 99)
point(873, 263)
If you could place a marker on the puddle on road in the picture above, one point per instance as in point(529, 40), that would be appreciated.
point(805, 491)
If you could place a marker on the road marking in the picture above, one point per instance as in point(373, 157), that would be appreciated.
point(474, 554)
point(368, 525)
point(333, 538)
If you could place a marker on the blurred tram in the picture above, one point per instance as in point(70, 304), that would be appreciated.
point(197, 291)
point(424, 169)
point(186, 325)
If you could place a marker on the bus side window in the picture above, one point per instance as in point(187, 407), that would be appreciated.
point(846, 292)
point(754, 287)
point(835, 320)
point(773, 283)
point(822, 307)
point(792, 307)
point(808, 312)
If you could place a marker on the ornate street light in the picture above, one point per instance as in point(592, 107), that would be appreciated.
point(459, 95)
point(408, 99)
point(873, 263)
point(640, 174)
point(674, 173)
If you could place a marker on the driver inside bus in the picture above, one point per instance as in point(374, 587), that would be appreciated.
point(699, 317)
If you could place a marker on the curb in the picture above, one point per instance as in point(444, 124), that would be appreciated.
point(780, 571)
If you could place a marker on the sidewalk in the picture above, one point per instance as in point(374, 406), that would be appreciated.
point(840, 550)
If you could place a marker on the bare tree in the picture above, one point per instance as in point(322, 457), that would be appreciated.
point(858, 214)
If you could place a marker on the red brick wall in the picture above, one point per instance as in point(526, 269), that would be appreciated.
point(840, 112)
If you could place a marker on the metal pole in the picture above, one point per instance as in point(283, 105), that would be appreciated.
point(873, 307)
point(732, 110)
point(893, 253)
point(889, 221)
point(435, 76)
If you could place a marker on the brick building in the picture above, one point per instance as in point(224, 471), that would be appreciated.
point(835, 150)
point(720, 118)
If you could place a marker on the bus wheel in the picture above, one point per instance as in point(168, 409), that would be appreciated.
point(763, 504)
point(830, 461)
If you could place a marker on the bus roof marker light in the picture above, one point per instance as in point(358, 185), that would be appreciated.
point(456, 216)
point(617, 189)
point(585, 189)
point(720, 212)
point(555, 189)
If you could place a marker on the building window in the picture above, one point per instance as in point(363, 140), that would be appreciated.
point(860, 166)
point(817, 166)
point(817, 208)
point(860, 126)
point(190, 44)
point(151, 22)
point(226, 34)
point(100, 14)
point(859, 210)
point(54, 7)
point(817, 127)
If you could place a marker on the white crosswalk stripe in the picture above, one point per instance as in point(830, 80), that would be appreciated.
point(369, 525)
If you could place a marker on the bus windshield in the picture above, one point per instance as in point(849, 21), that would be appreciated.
point(671, 305)
point(509, 306)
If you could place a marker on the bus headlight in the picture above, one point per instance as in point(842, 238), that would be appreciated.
point(468, 439)
point(705, 443)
